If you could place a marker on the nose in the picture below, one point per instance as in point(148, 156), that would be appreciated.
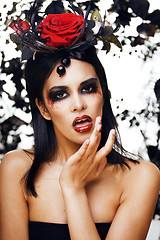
point(78, 103)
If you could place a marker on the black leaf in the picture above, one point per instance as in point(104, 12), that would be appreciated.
point(32, 14)
point(125, 114)
point(140, 7)
point(106, 46)
point(89, 32)
point(105, 32)
point(154, 155)
point(13, 9)
point(26, 53)
point(92, 4)
point(124, 18)
point(157, 209)
point(159, 118)
point(154, 17)
point(152, 152)
point(76, 9)
point(56, 7)
point(119, 6)
point(137, 41)
point(147, 29)
point(157, 90)
point(2, 82)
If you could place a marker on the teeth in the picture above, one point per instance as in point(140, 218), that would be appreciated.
point(82, 120)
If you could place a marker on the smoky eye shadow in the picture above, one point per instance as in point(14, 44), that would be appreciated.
point(90, 87)
point(53, 92)
point(59, 95)
point(51, 95)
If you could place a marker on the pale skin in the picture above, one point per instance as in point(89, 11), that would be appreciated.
point(79, 187)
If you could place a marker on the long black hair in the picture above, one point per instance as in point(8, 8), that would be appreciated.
point(36, 72)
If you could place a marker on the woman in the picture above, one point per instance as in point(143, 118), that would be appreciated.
point(78, 182)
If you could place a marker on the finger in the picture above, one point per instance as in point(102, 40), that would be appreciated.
point(81, 152)
point(104, 151)
point(95, 138)
point(97, 127)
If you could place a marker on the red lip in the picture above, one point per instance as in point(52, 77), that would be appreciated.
point(82, 124)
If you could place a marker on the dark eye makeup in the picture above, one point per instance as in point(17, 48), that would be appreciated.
point(89, 88)
point(59, 93)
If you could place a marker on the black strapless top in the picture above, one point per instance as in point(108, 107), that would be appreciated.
point(58, 231)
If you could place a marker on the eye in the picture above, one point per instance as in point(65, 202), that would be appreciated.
point(89, 88)
point(61, 94)
point(56, 96)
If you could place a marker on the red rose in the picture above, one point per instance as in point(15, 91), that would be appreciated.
point(60, 30)
point(20, 26)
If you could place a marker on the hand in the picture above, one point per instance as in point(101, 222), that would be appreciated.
point(87, 163)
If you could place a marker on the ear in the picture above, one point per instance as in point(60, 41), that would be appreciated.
point(43, 110)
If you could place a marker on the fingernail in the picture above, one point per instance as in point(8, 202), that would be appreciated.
point(99, 119)
point(87, 142)
point(99, 124)
point(99, 128)
point(113, 132)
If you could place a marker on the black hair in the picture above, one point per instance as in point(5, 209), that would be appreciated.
point(36, 72)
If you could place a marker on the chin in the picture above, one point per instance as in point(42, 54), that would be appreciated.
point(82, 137)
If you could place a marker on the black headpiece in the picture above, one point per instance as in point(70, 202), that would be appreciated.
point(68, 33)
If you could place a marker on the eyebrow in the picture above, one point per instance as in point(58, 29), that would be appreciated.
point(62, 87)
point(88, 81)
point(57, 88)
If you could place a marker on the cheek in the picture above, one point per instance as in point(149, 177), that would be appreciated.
point(97, 102)
point(54, 105)
point(97, 98)
point(99, 92)
point(58, 110)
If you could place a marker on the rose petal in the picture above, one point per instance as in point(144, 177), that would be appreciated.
point(60, 30)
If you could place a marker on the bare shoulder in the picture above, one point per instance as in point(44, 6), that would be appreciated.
point(140, 185)
point(18, 161)
point(144, 171)
point(135, 191)
point(13, 168)
point(141, 179)
point(143, 175)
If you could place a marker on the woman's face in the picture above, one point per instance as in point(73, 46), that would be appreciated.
point(73, 101)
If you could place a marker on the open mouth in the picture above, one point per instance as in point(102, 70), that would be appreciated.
point(82, 124)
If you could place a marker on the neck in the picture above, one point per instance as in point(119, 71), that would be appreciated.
point(65, 150)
